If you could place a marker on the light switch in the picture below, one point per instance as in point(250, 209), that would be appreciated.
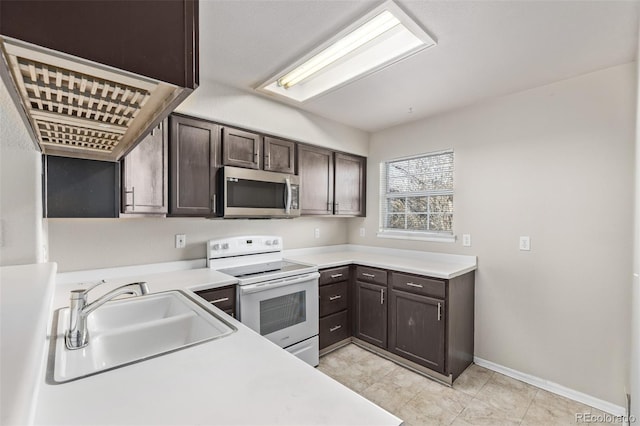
point(362, 232)
point(466, 240)
point(525, 243)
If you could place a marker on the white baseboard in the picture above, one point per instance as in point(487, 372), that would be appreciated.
point(552, 387)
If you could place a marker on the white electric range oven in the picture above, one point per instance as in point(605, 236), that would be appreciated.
point(276, 298)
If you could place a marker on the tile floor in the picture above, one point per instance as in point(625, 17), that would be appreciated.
point(478, 397)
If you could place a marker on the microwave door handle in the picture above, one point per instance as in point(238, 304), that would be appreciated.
point(287, 208)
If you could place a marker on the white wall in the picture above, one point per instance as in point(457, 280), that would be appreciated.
point(215, 101)
point(78, 244)
point(554, 163)
point(21, 236)
point(634, 376)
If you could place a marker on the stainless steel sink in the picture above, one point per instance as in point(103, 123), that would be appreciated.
point(131, 330)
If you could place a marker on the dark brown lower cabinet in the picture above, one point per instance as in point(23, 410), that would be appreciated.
point(223, 298)
point(417, 329)
point(335, 315)
point(371, 313)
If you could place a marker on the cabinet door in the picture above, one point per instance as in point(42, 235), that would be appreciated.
point(279, 155)
point(417, 329)
point(194, 160)
point(315, 167)
point(349, 185)
point(144, 174)
point(371, 313)
point(240, 148)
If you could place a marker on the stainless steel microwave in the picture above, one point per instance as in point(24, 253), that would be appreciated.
point(255, 193)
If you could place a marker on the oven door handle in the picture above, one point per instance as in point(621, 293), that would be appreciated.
point(254, 288)
point(287, 208)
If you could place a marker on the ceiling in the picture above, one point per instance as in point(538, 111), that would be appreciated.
point(485, 49)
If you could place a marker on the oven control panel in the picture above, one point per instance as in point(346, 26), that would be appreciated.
point(241, 246)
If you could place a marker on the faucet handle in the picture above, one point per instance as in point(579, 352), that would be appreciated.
point(91, 287)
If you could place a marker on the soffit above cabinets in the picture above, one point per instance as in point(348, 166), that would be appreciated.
point(78, 108)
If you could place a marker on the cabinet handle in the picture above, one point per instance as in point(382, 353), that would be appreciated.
point(382, 296)
point(439, 311)
point(328, 207)
point(337, 327)
point(414, 285)
point(364, 274)
point(336, 297)
point(337, 205)
point(223, 299)
point(336, 275)
point(133, 197)
point(267, 159)
point(213, 203)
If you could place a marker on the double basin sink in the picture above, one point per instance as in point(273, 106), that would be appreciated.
point(127, 331)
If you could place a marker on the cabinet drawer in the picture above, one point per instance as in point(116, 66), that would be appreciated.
point(223, 298)
point(334, 275)
point(333, 298)
point(333, 328)
point(418, 285)
point(371, 275)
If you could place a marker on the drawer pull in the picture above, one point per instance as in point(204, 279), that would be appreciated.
point(336, 297)
point(368, 275)
point(414, 285)
point(336, 275)
point(224, 299)
point(337, 327)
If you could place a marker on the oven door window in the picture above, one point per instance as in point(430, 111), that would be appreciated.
point(282, 312)
point(256, 194)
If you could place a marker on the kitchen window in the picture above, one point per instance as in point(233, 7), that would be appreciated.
point(416, 199)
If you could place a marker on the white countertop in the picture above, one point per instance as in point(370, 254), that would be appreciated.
point(25, 303)
point(436, 265)
point(242, 379)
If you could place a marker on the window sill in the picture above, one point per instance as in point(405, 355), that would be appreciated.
point(417, 236)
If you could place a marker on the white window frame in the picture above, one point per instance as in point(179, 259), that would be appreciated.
point(436, 236)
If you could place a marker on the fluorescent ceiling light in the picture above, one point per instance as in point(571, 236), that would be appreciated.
point(382, 37)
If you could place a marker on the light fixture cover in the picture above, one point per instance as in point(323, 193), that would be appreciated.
point(382, 37)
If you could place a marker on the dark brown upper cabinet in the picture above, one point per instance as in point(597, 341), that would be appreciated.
point(145, 174)
point(241, 148)
point(315, 168)
point(194, 152)
point(332, 183)
point(153, 38)
point(279, 155)
point(350, 185)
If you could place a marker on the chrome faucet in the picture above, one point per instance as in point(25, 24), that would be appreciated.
point(77, 335)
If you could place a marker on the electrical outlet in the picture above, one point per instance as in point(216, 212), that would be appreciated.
point(181, 240)
point(466, 240)
point(525, 243)
point(316, 232)
point(362, 232)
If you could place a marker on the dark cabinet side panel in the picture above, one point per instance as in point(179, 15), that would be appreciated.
point(350, 172)
point(417, 329)
point(315, 168)
point(144, 174)
point(371, 313)
point(81, 188)
point(154, 38)
point(194, 154)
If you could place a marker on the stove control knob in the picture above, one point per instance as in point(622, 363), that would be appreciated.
point(268, 242)
point(275, 242)
point(216, 247)
point(225, 246)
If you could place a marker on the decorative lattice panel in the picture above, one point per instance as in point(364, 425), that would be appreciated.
point(83, 107)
